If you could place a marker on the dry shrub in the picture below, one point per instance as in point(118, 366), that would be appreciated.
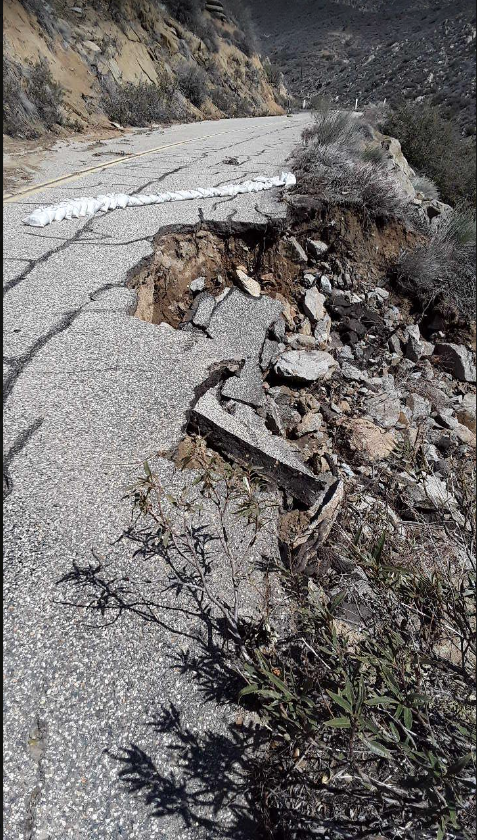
point(337, 127)
point(426, 186)
point(139, 104)
point(192, 82)
point(335, 175)
point(31, 99)
point(444, 267)
point(190, 13)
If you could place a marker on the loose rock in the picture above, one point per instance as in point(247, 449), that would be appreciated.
point(304, 366)
point(457, 359)
point(248, 284)
point(368, 442)
point(313, 304)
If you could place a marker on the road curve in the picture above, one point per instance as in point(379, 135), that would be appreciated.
point(89, 393)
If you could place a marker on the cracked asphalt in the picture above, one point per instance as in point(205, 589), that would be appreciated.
point(90, 392)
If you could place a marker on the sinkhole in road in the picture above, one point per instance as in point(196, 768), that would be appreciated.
point(213, 251)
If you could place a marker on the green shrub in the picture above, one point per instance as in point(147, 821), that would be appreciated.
point(46, 94)
point(139, 104)
point(192, 82)
point(434, 146)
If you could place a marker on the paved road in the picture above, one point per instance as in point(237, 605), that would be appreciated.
point(89, 392)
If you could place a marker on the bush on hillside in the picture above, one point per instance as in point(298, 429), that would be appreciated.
point(444, 267)
point(31, 99)
point(139, 104)
point(434, 146)
point(46, 94)
point(338, 127)
point(330, 165)
point(426, 186)
point(192, 82)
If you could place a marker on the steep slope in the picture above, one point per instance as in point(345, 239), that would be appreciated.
point(370, 49)
point(70, 64)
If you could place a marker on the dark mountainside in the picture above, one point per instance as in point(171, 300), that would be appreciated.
point(373, 50)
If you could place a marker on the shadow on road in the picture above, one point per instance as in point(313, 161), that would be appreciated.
point(208, 781)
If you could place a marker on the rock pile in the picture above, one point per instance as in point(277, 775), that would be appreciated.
point(338, 388)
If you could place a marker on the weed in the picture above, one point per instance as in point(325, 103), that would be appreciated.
point(426, 186)
point(444, 267)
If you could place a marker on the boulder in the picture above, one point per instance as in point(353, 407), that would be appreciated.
point(384, 409)
point(413, 346)
point(367, 441)
point(457, 359)
point(297, 250)
point(310, 423)
point(243, 435)
point(465, 412)
point(303, 366)
point(419, 407)
point(323, 330)
point(197, 285)
point(313, 304)
point(317, 247)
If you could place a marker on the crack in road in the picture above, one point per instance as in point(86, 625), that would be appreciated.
point(19, 443)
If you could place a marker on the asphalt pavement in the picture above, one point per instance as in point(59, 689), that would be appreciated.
point(106, 736)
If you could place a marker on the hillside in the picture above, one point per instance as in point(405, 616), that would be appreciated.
point(73, 64)
point(372, 50)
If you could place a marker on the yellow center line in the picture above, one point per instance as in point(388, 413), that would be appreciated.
point(10, 197)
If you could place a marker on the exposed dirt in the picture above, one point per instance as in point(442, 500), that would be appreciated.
point(22, 158)
point(215, 250)
point(212, 251)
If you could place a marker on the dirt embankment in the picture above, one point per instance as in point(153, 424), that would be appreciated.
point(88, 51)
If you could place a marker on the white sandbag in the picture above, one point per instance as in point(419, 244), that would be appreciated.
point(80, 207)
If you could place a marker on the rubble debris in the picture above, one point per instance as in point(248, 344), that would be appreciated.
point(306, 366)
point(202, 310)
point(317, 247)
point(197, 285)
point(313, 304)
point(456, 359)
point(247, 386)
point(248, 284)
point(243, 435)
point(298, 251)
point(322, 517)
point(466, 412)
point(367, 441)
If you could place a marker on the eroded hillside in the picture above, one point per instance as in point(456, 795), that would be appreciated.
point(70, 64)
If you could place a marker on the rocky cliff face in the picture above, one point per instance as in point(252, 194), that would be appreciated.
point(76, 64)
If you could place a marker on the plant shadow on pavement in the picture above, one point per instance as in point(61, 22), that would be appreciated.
point(213, 771)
